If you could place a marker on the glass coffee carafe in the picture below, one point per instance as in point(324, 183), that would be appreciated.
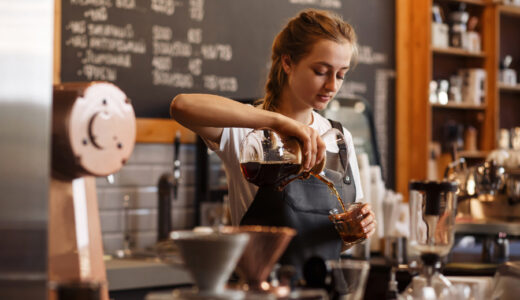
point(266, 158)
point(433, 206)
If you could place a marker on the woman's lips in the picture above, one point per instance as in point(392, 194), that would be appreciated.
point(324, 98)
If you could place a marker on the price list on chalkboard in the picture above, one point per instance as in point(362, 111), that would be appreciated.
point(151, 49)
point(155, 49)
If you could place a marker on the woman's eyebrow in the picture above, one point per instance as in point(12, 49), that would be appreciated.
point(326, 64)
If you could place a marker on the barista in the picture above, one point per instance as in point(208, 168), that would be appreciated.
point(310, 58)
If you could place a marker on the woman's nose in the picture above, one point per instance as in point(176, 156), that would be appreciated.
point(332, 84)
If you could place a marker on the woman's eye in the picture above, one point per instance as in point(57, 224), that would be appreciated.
point(341, 77)
point(319, 73)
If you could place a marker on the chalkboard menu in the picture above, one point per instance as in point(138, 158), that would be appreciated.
point(156, 49)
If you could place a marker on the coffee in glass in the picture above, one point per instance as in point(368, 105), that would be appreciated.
point(348, 223)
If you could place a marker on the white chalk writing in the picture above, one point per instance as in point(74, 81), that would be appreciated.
point(197, 10)
point(126, 4)
point(77, 41)
point(166, 7)
point(195, 35)
point(195, 66)
point(92, 72)
point(119, 45)
point(163, 63)
point(161, 33)
point(177, 58)
point(322, 3)
point(109, 59)
point(172, 49)
point(217, 51)
point(97, 14)
point(77, 27)
point(109, 30)
point(178, 80)
point(107, 3)
point(223, 84)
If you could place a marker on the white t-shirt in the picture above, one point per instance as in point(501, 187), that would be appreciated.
point(241, 192)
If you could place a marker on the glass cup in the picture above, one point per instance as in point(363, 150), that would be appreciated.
point(348, 224)
point(349, 278)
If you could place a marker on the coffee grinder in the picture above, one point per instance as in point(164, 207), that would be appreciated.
point(433, 206)
point(93, 134)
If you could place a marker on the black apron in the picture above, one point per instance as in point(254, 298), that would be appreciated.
point(304, 205)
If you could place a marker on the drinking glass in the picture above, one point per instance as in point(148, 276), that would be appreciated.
point(349, 278)
point(348, 223)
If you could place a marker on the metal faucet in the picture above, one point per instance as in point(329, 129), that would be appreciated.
point(167, 191)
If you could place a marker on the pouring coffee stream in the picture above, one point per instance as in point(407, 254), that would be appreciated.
point(268, 159)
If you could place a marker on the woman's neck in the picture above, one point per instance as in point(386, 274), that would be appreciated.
point(294, 111)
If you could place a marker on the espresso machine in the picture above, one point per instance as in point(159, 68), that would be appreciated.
point(93, 134)
point(433, 206)
point(488, 205)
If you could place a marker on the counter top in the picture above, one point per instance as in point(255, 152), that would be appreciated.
point(125, 274)
point(488, 227)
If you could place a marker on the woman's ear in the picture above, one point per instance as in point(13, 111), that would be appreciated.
point(286, 63)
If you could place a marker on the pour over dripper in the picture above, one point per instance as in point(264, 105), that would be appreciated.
point(433, 206)
point(210, 257)
point(266, 245)
point(266, 158)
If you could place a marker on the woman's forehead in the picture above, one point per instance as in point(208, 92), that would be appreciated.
point(330, 53)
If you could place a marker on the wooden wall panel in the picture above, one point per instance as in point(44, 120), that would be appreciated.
point(162, 131)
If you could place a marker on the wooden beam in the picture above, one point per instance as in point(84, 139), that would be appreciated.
point(403, 78)
point(413, 112)
point(421, 68)
point(490, 44)
point(57, 43)
point(162, 131)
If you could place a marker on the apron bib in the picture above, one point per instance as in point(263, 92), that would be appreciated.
point(304, 205)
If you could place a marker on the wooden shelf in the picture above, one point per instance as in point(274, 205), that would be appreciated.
point(509, 88)
point(510, 10)
point(451, 105)
point(458, 52)
point(474, 2)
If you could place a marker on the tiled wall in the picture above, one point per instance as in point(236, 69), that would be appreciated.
point(138, 179)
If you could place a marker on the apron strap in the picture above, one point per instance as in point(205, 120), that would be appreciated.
point(343, 152)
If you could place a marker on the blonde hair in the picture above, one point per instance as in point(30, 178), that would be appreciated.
point(297, 39)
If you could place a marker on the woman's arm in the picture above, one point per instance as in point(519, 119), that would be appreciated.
point(208, 114)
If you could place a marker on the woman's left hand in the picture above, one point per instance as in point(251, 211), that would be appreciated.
point(368, 224)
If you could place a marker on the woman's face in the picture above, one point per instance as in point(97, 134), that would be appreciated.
point(318, 76)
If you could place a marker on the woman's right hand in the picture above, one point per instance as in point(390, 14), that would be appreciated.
point(313, 145)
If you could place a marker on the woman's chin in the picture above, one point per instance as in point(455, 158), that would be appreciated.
point(320, 105)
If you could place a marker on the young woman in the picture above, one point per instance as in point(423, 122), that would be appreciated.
point(310, 58)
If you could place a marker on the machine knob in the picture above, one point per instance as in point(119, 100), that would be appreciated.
point(96, 134)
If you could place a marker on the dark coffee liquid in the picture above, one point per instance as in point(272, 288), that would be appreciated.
point(348, 225)
point(333, 189)
point(267, 173)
